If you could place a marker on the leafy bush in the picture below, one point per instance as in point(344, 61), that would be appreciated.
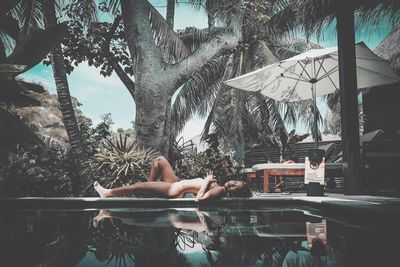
point(195, 164)
point(121, 161)
point(37, 174)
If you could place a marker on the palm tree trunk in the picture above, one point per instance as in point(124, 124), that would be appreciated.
point(64, 99)
point(170, 13)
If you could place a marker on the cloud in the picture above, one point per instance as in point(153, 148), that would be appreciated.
point(194, 127)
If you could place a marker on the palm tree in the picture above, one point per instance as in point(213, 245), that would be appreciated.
point(262, 45)
point(26, 48)
point(170, 13)
point(313, 16)
point(163, 60)
point(34, 15)
point(64, 97)
point(234, 114)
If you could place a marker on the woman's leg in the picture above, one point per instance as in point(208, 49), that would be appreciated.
point(154, 189)
point(161, 168)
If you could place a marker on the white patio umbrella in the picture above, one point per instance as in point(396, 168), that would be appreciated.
point(314, 73)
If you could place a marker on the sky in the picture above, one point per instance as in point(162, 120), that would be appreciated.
point(99, 95)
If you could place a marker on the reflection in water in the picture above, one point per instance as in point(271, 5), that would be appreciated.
point(183, 237)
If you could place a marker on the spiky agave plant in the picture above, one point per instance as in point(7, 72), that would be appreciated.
point(122, 161)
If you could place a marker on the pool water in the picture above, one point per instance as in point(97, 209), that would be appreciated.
point(190, 237)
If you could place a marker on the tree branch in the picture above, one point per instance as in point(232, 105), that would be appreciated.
point(228, 39)
point(123, 76)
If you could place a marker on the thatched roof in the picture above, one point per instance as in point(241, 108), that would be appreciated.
point(389, 49)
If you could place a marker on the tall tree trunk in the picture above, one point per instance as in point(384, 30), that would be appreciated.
point(153, 117)
point(155, 80)
point(64, 98)
point(170, 13)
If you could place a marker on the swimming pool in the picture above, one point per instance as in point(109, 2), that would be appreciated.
point(237, 235)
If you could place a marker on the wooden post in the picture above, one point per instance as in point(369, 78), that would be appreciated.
point(348, 97)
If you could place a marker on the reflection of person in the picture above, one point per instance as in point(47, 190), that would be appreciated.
point(201, 223)
point(316, 257)
point(171, 186)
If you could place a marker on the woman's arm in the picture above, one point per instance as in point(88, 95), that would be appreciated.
point(215, 192)
point(206, 185)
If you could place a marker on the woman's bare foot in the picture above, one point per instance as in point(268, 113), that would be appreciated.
point(102, 214)
point(103, 192)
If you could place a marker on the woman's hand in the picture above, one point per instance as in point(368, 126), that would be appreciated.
point(206, 184)
point(210, 176)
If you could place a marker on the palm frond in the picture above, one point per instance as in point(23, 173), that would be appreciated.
point(258, 55)
point(32, 13)
point(371, 12)
point(230, 117)
point(215, 5)
point(279, 5)
point(283, 20)
point(276, 120)
point(389, 49)
point(10, 26)
point(198, 93)
point(286, 48)
point(260, 111)
point(313, 16)
point(289, 112)
point(114, 6)
point(333, 101)
point(229, 72)
point(306, 115)
point(166, 38)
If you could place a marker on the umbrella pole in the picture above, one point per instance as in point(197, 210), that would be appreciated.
point(314, 96)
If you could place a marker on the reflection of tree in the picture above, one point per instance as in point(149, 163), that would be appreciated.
point(184, 239)
point(113, 241)
point(154, 238)
point(232, 247)
point(236, 249)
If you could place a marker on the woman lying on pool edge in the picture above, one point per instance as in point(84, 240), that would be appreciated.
point(170, 186)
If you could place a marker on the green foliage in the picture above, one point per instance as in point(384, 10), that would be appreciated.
point(191, 165)
point(179, 148)
point(47, 170)
point(92, 136)
point(121, 161)
point(282, 141)
point(221, 165)
point(89, 45)
point(34, 173)
point(195, 164)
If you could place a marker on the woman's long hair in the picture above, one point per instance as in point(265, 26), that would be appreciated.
point(244, 192)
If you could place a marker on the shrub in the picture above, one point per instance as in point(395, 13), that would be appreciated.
point(121, 161)
point(37, 174)
point(195, 164)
